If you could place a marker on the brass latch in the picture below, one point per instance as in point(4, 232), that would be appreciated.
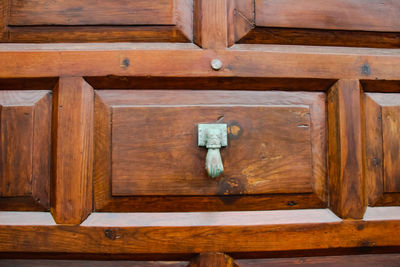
point(213, 137)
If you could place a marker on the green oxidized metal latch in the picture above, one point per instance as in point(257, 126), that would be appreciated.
point(213, 137)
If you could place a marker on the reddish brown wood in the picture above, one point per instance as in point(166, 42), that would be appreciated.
point(240, 19)
point(25, 145)
point(373, 15)
point(240, 60)
point(73, 147)
point(295, 36)
point(4, 15)
point(88, 263)
point(189, 239)
point(373, 149)
point(210, 23)
point(212, 260)
point(346, 179)
point(57, 21)
point(391, 152)
point(91, 12)
point(389, 260)
point(381, 147)
point(239, 176)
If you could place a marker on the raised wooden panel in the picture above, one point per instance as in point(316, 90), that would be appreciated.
point(371, 23)
point(100, 21)
point(382, 147)
point(25, 149)
point(146, 146)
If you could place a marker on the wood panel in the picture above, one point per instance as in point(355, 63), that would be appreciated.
point(153, 154)
point(346, 179)
point(91, 12)
point(210, 23)
point(25, 147)
point(389, 260)
point(382, 147)
point(212, 260)
point(239, 61)
point(72, 150)
point(136, 134)
point(371, 15)
point(88, 263)
point(316, 22)
point(350, 234)
point(91, 21)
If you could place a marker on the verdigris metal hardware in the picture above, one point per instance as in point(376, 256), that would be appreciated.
point(213, 137)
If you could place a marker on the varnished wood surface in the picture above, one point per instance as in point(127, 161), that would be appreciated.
point(210, 23)
point(240, 60)
point(212, 218)
point(346, 178)
point(72, 150)
point(89, 263)
point(25, 148)
point(381, 132)
point(389, 260)
point(73, 21)
point(137, 180)
point(373, 15)
point(212, 260)
point(45, 12)
point(189, 239)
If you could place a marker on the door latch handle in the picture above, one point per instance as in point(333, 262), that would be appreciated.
point(213, 137)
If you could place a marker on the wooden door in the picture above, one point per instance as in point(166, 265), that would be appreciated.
point(100, 106)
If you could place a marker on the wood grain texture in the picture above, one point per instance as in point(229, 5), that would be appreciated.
point(153, 154)
point(240, 19)
point(371, 15)
point(210, 23)
point(317, 37)
point(91, 12)
point(91, 34)
point(389, 260)
point(346, 178)
point(240, 60)
point(25, 146)
point(72, 150)
point(187, 240)
point(212, 260)
point(4, 16)
point(108, 102)
point(381, 146)
point(391, 148)
point(89, 263)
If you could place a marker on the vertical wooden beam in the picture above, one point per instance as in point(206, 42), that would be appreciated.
point(4, 14)
point(210, 23)
point(346, 181)
point(212, 260)
point(71, 200)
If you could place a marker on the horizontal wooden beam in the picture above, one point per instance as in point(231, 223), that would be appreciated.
point(197, 239)
point(187, 60)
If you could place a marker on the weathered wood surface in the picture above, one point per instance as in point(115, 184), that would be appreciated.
point(371, 15)
point(239, 61)
point(382, 148)
point(189, 239)
point(72, 150)
point(25, 149)
point(346, 178)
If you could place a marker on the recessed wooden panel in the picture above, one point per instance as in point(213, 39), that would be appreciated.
point(382, 124)
point(91, 12)
point(155, 152)
point(96, 21)
point(146, 145)
point(371, 23)
point(25, 145)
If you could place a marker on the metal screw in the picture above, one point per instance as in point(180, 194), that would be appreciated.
point(216, 64)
